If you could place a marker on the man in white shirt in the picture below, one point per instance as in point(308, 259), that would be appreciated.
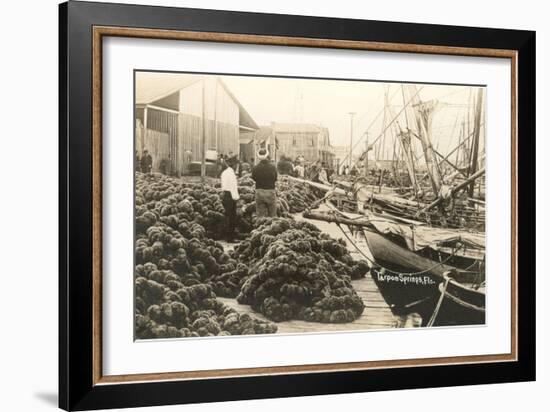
point(323, 177)
point(230, 195)
point(300, 170)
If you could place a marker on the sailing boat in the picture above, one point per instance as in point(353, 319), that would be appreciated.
point(442, 203)
point(426, 257)
point(440, 293)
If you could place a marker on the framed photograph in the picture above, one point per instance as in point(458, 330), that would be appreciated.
point(256, 205)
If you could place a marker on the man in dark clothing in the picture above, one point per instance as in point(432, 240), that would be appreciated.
point(330, 173)
point(314, 172)
point(220, 164)
point(284, 166)
point(245, 167)
point(265, 176)
point(138, 162)
point(146, 162)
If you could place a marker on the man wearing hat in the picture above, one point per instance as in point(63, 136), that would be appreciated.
point(146, 162)
point(265, 176)
point(230, 195)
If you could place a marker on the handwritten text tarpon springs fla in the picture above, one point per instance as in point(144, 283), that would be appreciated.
point(405, 279)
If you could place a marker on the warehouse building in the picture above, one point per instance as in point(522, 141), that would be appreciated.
point(171, 112)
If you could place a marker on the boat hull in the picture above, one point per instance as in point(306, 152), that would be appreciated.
point(459, 261)
point(458, 310)
point(414, 284)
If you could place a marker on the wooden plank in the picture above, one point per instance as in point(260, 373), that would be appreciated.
point(377, 314)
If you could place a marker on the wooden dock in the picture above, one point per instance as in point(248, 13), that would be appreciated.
point(377, 314)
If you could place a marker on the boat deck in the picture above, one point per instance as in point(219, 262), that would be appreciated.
point(377, 314)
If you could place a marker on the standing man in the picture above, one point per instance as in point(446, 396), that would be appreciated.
point(220, 164)
point(138, 162)
point(265, 176)
point(323, 176)
point(330, 173)
point(315, 171)
point(245, 167)
point(299, 170)
point(146, 162)
point(230, 195)
point(284, 166)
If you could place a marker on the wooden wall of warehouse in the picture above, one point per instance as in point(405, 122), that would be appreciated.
point(221, 114)
point(176, 138)
point(222, 137)
point(157, 144)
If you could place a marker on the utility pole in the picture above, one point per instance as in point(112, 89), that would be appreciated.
point(351, 114)
point(216, 114)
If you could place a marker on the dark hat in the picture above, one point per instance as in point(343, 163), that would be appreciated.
point(232, 161)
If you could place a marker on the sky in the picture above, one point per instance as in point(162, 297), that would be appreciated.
point(329, 102)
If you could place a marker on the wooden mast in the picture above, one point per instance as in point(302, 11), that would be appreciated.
point(454, 190)
point(475, 143)
point(422, 114)
point(405, 140)
point(406, 147)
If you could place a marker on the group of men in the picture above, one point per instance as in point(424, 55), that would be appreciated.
point(317, 171)
point(264, 175)
point(347, 171)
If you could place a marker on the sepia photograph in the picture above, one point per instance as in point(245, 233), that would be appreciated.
point(289, 205)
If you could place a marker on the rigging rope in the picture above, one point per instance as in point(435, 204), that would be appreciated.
point(387, 127)
point(439, 302)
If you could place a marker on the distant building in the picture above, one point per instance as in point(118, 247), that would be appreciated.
point(300, 139)
point(169, 119)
